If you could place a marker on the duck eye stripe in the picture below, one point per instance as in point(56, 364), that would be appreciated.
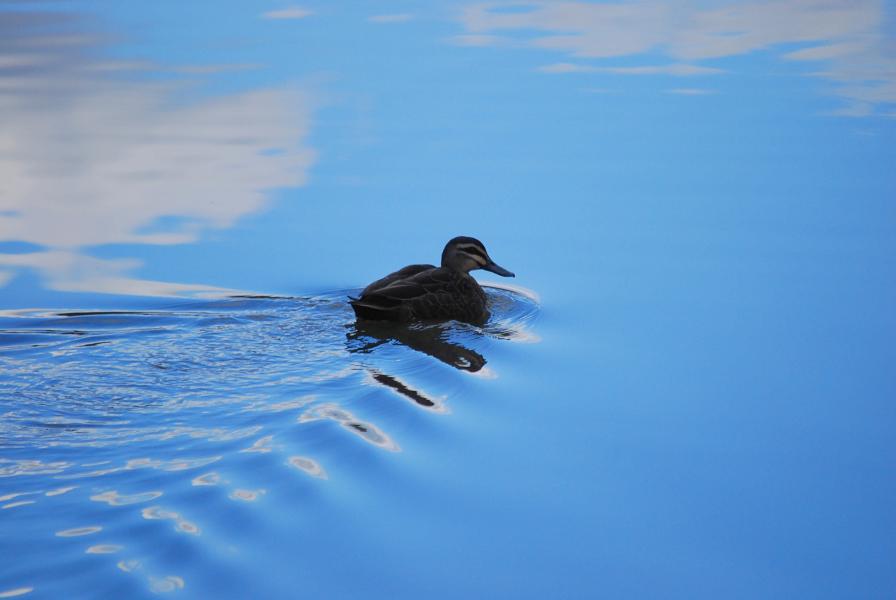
point(474, 251)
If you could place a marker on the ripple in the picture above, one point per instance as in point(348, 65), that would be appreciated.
point(129, 565)
point(308, 466)
point(12, 495)
point(79, 531)
point(18, 503)
point(161, 514)
point(366, 431)
point(406, 391)
point(13, 468)
point(162, 585)
point(187, 527)
point(187, 464)
point(85, 474)
point(113, 498)
point(293, 404)
point(120, 394)
point(157, 512)
point(174, 464)
point(262, 445)
point(137, 408)
point(206, 479)
point(246, 495)
point(104, 549)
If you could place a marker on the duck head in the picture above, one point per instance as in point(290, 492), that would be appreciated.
point(465, 254)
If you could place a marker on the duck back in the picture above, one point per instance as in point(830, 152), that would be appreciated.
point(421, 293)
point(405, 273)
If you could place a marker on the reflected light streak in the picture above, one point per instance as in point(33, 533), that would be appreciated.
point(104, 549)
point(262, 445)
point(113, 498)
point(246, 495)
point(212, 478)
point(163, 585)
point(308, 466)
point(368, 432)
point(180, 524)
point(79, 531)
point(16, 504)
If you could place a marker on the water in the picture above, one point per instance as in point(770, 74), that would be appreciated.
point(687, 392)
point(147, 442)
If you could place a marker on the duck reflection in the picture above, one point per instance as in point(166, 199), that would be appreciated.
point(403, 389)
point(363, 336)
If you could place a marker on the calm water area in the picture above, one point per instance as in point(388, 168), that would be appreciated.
point(687, 391)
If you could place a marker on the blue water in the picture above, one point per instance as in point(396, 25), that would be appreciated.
point(148, 450)
point(686, 392)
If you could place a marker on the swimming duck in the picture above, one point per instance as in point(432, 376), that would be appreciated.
point(427, 292)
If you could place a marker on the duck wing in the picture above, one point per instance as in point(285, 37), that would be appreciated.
point(405, 273)
point(394, 301)
point(422, 283)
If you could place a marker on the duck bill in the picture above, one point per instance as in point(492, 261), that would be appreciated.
point(497, 269)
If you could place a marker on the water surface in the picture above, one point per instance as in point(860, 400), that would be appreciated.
point(147, 440)
point(687, 395)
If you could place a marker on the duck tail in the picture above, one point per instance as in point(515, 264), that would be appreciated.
point(365, 310)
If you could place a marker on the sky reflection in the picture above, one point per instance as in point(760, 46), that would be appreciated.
point(90, 155)
point(157, 513)
point(79, 531)
point(711, 237)
point(843, 40)
point(115, 145)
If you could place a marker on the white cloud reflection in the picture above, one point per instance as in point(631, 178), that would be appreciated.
point(395, 18)
point(676, 69)
point(292, 12)
point(90, 157)
point(845, 36)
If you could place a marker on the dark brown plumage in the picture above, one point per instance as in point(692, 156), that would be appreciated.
point(427, 292)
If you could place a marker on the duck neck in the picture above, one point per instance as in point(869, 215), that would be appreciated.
point(453, 262)
point(459, 271)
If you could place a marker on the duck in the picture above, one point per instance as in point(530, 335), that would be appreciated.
point(428, 293)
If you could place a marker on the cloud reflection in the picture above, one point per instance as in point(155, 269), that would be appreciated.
point(290, 13)
point(211, 478)
point(17, 503)
point(104, 549)
point(79, 531)
point(163, 585)
point(392, 18)
point(89, 156)
point(244, 495)
point(180, 524)
point(846, 36)
point(113, 498)
point(676, 69)
point(366, 431)
point(307, 465)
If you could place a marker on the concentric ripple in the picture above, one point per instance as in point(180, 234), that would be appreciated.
point(120, 429)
